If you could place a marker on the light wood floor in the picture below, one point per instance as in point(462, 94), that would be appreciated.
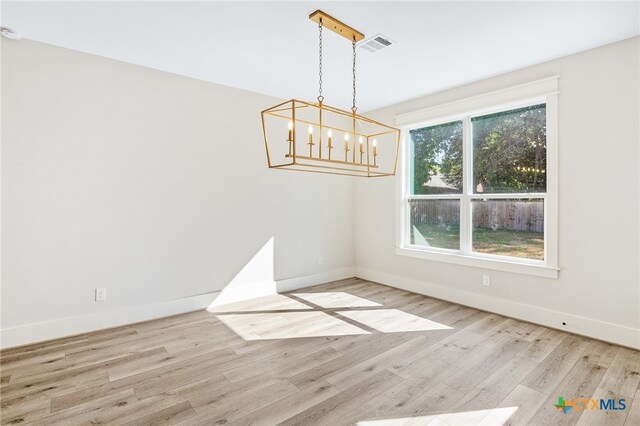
point(349, 352)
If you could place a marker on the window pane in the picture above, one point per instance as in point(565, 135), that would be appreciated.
point(509, 227)
point(437, 159)
point(510, 151)
point(435, 223)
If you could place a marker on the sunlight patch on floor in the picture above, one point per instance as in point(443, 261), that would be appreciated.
point(336, 299)
point(288, 325)
point(489, 417)
point(392, 320)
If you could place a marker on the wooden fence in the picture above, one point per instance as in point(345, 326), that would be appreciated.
point(495, 214)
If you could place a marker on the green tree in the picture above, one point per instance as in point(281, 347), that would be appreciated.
point(437, 150)
point(509, 153)
point(509, 150)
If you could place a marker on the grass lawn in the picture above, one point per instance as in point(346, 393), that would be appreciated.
point(502, 242)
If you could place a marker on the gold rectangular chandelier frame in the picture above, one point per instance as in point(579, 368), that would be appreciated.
point(369, 148)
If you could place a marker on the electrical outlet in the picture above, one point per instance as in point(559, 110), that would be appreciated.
point(321, 261)
point(486, 280)
point(101, 294)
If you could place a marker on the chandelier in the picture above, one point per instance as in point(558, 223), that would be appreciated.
point(315, 137)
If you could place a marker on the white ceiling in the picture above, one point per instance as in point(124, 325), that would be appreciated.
point(271, 47)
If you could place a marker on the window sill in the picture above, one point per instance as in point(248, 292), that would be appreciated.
point(538, 270)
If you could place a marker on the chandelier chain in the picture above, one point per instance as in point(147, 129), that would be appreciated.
point(320, 97)
point(353, 108)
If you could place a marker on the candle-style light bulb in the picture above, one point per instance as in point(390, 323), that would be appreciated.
point(346, 145)
point(290, 131)
point(375, 151)
point(290, 138)
point(310, 141)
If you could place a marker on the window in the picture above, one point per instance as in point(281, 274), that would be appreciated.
point(478, 186)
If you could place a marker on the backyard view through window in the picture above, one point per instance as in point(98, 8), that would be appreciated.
point(478, 184)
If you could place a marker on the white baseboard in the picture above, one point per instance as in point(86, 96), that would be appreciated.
point(315, 279)
point(244, 292)
point(63, 327)
point(614, 333)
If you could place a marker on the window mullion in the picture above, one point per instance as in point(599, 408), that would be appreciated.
point(408, 188)
point(434, 197)
point(467, 187)
point(508, 195)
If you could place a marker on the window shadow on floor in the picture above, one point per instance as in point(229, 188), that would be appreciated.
point(317, 314)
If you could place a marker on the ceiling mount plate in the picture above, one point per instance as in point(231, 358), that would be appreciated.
point(336, 26)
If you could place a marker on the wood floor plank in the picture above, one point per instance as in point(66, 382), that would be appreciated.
point(489, 358)
point(489, 322)
point(415, 365)
point(623, 375)
point(351, 376)
point(291, 359)
point(553, 369)
point(232, 402)
point(633, 416)
point(544, 344)
point(328, 411)
point(279, 360)
point(25, 413)
point(48, 387)
point(174, 414)
point(162, 379)
point(403, 401)
point(351, 356)
point(104, 337)
point(29, 363)
point(120, 411)
point(601, 353)
point(84, 412)
point(528, 401)
point(290, 406)
point(498, 385)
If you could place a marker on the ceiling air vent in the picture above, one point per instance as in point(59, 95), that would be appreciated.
point(375, 43)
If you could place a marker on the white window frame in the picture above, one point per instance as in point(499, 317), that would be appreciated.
point(532, 93)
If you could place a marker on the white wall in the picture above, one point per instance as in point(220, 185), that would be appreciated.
point(598, 290)
point(152, 185)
